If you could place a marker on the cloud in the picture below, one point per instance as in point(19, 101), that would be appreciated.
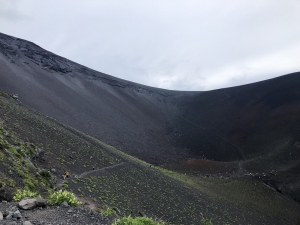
point(10, 12)
point(173, 44)
point(253, 69)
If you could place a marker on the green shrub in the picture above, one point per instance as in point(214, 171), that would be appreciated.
point(108, 212)
point(65, 185)
point(12, 150)
point(45, 173)
point(20, 194)
point(29, 183)
point(137, 221)
point(11, 183)
point(60, 196)
point(2, 156)
point(206, 222)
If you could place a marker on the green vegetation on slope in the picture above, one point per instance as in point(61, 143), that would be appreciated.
point(17, 169)
point(58, 197)
point(137, 221)
point(20, 194)
point(119, 180)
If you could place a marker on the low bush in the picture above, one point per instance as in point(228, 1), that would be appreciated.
point(60, 196)
point(20, 194)
point(108, 212)
point(137, 221)
point(65, 185)
point(45, 173)
point(206, 222)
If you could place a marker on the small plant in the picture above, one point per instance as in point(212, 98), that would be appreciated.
point(29, 183)
point(108, 212)
point(137, 221)
point(206, 222)
point(11, 183)
point(20, 194)
point(65, 185)
point(2, 156)
point(60, 196)
point(45, 173)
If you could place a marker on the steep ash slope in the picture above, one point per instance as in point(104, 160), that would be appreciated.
point(248, 120)
point(129, 116)
point(256, 124)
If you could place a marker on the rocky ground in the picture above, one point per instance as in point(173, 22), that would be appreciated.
point(13, 213)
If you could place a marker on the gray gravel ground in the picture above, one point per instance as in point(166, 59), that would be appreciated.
point(55, 215)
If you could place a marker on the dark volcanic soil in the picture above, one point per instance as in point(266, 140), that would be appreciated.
point(129, 184)
point(257, 124)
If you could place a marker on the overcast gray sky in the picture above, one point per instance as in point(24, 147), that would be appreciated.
point(171, 44)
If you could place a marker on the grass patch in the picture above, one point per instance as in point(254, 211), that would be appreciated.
point(108, 212)
point(60, 196)
point(244, 193)
point(45, 173)
point(20, 194)
point(2, 156)
point(206, 222)
point(137, 221)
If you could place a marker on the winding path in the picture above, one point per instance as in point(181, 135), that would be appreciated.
point(102, 169)
point(60, 181)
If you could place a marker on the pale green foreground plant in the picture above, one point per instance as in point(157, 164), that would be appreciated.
point(108, 212)
point(20, 194)
point(137, 221)
point(60, 196)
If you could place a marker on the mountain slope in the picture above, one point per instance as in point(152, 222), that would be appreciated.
point(129, 184)
point(127, 115)
point(256, 125)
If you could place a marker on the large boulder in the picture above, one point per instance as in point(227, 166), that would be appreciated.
point(28, 203)
point(31, 203)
